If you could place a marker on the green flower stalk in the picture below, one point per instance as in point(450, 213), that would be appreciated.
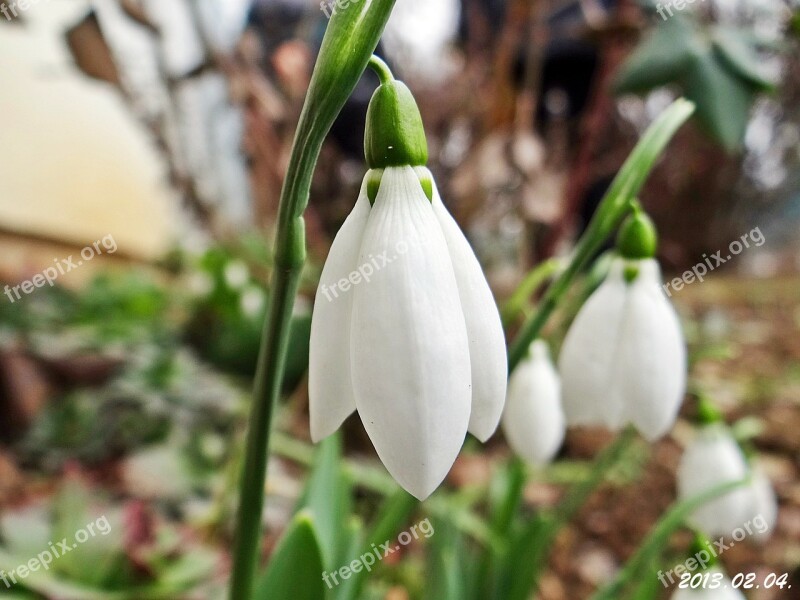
point(615, 206)
point(350, 39)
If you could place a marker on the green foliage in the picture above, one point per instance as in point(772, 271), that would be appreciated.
point(101, 567)
point(718, 68)
point(295, 568)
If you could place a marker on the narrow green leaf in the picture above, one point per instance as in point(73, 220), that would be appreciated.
point(530, 546)
point(295, 569)
point(658, 537)
point(445, 573)
point(352, 547)
point(388, 523)
point(723, 100)
point(505, 498)
point(327, 497)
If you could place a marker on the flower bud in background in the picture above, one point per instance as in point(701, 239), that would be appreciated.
point(712, 459)
point(405, 328)
point(624, 358)
point(533, 421)
point(764, 509)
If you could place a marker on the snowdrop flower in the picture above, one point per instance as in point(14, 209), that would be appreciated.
point(718, 587)
point(764, 505)
point(405, 329)
point(624, 358)
point(712, 459)
point(533, 420)
point(715, 458)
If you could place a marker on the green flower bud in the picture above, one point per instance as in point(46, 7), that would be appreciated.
point(394, 134)
point(637, 238)
point(707, 413)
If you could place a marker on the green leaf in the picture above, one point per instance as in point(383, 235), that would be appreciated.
point(387, 524)
point(737, 52)
point(445, 573)
point(722, 99)
point(327, 497)
point(352, 547)
point(505, 498)
point(661, 58)
point(295, 568)
point(658, 537)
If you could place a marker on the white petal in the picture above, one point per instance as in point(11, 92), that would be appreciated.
point(330, 388)
point(651, 361)
point(765, 506)
point(487, 344)
point(533, 421)
point(587, 356)
point(713, 459)
point(410, 355)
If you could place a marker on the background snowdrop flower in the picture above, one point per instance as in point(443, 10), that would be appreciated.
point(412, 340)
point(533, 420)
point(624, 358)
point(764, 509)
point(723, 589)
point(712, 459)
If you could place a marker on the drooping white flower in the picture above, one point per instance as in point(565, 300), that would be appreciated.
point(405, 330)
point(764, 509)
point(533, 420)
point(717, 587)
point(624, 358)
point(712, 459)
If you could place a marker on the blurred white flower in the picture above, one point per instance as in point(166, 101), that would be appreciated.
point(624, 358)
point(411, 338)
point(722, 589)
point(533, 420)
point(253, 301)
point(236, 274)
point(764, 505)
point(712, 459)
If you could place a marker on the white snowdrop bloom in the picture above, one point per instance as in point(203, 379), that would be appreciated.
point(533, 420)
point(624, 358)
point(405, 331)
point(764, 505)
point(712, 459)
point(717, 587)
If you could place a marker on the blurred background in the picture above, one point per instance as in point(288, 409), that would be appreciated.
point(143, 145)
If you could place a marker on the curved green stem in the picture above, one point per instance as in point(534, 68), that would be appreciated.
point(349, 41)
point(614, 206)
point(381, 69)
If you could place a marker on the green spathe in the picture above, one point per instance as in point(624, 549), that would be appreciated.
point(394, 135)
point(637, 237)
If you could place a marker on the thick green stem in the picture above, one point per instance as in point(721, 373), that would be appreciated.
point(350, 39)
point(614, 206)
